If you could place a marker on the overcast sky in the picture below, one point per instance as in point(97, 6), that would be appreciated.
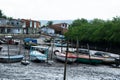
point(60, 9)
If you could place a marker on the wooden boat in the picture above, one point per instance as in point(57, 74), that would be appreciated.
point(85, 56)
point(38, 53)
point(11, 58)
point(61, 56)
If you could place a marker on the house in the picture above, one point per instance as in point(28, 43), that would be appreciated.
point(11, 26)
point(30, 26)
point(60, 28)
point(17, 26)
point(47, 30)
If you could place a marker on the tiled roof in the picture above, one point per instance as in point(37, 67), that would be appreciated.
point(58, 27)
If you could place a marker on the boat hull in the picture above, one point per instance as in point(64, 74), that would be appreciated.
point(62, 56)
point(109, 61)
point(37, 56)
point(11, 59)
point(60, 45)
point(91, 60)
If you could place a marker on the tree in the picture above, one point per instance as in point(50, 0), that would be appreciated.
point(79, 22)
point(1, 14)
point(4, 16)
point(49, 23)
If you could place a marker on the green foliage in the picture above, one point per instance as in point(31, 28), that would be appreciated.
point(96, 30)
point(49, 23)
point(4, 16)
point(79, 22)
point(1, 14)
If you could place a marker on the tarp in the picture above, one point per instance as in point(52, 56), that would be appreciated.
point(30, 39)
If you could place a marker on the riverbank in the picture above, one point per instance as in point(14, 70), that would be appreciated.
point(55, 71)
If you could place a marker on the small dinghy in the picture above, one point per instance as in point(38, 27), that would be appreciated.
point(25, 62)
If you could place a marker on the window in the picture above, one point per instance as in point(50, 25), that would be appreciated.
point(30, 23)
point(34, 24)
point(12, 23)
point(17, 23)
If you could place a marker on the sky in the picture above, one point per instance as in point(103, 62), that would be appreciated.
point(60, 9)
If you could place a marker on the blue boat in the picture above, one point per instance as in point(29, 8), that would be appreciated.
point(39, 53)
point(11, 58)
point(60, 45)
point(28, 42)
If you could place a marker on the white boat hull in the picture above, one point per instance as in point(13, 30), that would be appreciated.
point(62, 58)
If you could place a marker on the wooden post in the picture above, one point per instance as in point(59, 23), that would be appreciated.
point(19, 47)
point(89, 52)
point(8, 53)
point(61, 45)
point(52, 43)
point(64, 78)
point(77, 46)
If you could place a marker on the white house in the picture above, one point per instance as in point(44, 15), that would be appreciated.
point(47, 30)
point(10, 26)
